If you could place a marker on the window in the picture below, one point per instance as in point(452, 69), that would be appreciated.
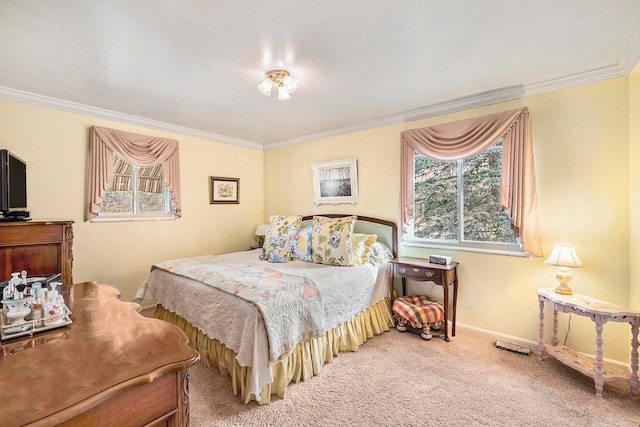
point(457, 203)
point(132, 176)
point(136, 192)
point(466, 191)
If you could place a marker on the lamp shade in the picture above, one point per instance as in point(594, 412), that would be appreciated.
point(265, 87)
point(289, 84)
point(261, 230)
point(282, 93)
point(564, 255)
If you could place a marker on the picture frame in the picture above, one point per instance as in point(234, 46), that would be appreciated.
point(223, 190)
point(335, 182)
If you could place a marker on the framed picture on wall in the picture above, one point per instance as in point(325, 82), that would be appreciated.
point(224, 190)
point(335, 182)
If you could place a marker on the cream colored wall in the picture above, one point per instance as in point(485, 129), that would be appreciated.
point(634, 179)
point(582, 146)
point(55, 146)
point(581, 143)
point(289, 178)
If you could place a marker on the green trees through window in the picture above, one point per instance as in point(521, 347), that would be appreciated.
point(459, 201)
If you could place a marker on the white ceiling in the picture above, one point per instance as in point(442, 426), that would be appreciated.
point(192, 66)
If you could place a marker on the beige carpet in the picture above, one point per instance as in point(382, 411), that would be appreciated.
point(397, 379)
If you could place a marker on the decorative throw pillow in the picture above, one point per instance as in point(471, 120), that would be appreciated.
point(380, 254)
point(277, 256)
point(331, 240)
point(300, 243)
point(277, 234)
point(361, 246)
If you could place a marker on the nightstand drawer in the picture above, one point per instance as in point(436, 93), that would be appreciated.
point(414, 272)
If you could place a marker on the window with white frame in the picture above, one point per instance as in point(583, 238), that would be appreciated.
point(457, 203)
point(132, 176)
point(136, 192)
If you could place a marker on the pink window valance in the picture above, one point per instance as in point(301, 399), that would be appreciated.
point(139, 150)
point(467, 138)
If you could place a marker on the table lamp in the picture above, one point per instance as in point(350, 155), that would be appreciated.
point(261, 231)
point(564, 256)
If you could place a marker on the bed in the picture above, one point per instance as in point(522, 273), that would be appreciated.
point(268, 317)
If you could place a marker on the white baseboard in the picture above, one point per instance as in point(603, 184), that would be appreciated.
point(531, 344)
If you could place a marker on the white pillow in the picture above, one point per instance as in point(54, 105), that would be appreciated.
point(380, 254)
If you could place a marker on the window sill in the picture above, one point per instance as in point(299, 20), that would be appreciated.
point(133, 218)
point(491, 251)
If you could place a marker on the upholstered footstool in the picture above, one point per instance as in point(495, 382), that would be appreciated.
point(419, 312)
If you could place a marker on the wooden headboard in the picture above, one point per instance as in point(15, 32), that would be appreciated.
point(387, 231)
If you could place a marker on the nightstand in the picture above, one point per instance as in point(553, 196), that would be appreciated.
point(423, 271)
point(600, 312)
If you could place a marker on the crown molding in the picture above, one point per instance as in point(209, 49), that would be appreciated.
point(627, 63)
point(629, 60)
point(604, 73)
point(631, 54)
point(385, 121)
point(476, 100)
point(72, 107)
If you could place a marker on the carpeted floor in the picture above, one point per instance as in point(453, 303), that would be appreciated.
point(397, 379)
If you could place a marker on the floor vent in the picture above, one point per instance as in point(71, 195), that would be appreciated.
point(515, 348)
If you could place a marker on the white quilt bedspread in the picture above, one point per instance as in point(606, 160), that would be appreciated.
point(346, 291)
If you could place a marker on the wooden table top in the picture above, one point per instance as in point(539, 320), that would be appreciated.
point(420, 262)
point(109, 348)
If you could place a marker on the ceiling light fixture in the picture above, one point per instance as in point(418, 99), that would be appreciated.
point(282, 79)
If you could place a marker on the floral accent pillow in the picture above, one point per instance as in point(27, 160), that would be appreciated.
point(300, 243)
point(331, 240)
point(361, 246)
point(277, 256)
point(277, 236)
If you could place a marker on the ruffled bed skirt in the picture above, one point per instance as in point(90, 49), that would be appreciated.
point(306, 360)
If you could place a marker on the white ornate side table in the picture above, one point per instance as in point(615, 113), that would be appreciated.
point(600, 312)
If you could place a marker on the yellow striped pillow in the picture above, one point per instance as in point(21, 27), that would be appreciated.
point(361, 247)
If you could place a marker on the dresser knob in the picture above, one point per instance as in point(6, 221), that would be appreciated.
point(415, 270)
point(429, 273)
point(402, 270)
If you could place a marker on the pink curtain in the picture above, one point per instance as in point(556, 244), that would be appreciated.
point(139, 150)
point(467, 138)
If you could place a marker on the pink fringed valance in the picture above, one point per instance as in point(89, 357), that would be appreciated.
point(467, 138)
point(139, 150)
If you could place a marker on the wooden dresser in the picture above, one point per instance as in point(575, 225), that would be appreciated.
point(42, 247)
point(111, 367)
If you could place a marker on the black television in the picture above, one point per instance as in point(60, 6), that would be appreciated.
point(13, 187)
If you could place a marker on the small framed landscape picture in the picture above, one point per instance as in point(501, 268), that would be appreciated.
point(335, 182)
point(224, 190)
